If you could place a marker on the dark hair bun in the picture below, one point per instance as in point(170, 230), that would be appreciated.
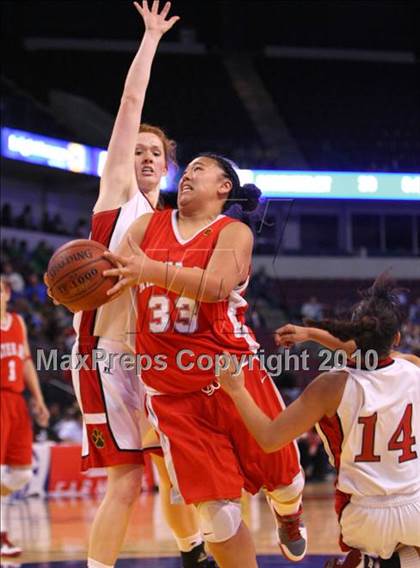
point(249, 196)
point(370, 323)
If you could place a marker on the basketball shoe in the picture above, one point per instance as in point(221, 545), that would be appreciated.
point(7, 548)
point(197, 558)
point(292, 535)
point(354, 559)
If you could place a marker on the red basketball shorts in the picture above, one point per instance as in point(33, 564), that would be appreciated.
point(112, 401)
point(208, 451)
point(16, 430)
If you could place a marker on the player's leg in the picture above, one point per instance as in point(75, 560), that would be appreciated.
point(13, 478)
point(279, 473)
point(227, 537)
point(286, 505)
point(182, 519)
point(203, 470)
point(15, 459)
point(237, 551)
point(112, 517)
point(110, 402)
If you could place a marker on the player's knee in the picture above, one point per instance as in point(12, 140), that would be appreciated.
point(291, 492)
point(126, 489)
point(14, 478)
point(219, 520)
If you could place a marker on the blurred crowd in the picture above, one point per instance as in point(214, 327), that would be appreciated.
point(49, 223)
point(51, 326)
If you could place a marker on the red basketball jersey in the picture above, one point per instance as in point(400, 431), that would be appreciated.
point(12, 354)
point(181, 336)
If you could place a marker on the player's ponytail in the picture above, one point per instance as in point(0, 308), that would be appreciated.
point(246, 196)
point(375, 320)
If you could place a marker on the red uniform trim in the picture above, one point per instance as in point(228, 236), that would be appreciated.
point(341, 502)
point(333, 432)
point(103, 226)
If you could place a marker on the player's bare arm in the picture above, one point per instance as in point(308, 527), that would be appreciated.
point(407, 356)
point(289, 335)
point(228, 266)
point(321, 398)
point(30, 376)
point(118, 182)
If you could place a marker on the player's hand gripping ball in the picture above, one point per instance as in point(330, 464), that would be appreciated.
point(75, 275)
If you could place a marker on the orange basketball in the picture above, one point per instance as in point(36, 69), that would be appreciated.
point(75, 275)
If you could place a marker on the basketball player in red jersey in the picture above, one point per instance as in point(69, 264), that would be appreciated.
point(369, 421)
point(17, 373)
point(193, 268)
point(110, 397)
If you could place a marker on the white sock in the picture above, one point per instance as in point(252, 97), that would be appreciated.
point(187, 543)
point(96, 564)
point(3, 513)
point(409, 557)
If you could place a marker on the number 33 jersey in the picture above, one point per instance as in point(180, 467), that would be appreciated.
point(180, 337)
point(12, 354)
point(374, 438)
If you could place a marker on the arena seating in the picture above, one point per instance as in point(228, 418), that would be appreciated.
point(348, 115)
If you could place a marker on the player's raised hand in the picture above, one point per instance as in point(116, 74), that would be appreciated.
point(228, 376)
point(131, 270)
point(288, 335)
point(154, 22)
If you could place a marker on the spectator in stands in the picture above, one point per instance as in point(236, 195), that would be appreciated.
point(414, 312)
point(57, 225)
point(14, 279)
point(312, 309)
point(81, 229)
point(46, 223)
point(70, 428)
point(6, 215)
point(25, 219)
point(40, 257)
point(288, 386)
point(411, 338)
point(254, 316)
point(35, 290)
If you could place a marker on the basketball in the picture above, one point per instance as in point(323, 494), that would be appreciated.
point(75, 275)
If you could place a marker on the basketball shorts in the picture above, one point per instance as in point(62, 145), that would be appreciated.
point(112, 401)
point(16, 430)
point(376, 525)
point(208, 451)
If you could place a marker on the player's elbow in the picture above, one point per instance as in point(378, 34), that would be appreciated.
point(216, 293)
point(270, 444)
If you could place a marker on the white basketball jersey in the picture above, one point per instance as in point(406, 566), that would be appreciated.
point(116, 320)
point(374, 438)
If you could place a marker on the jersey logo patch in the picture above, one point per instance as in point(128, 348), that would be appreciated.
point(207, 232)
point(98, 439)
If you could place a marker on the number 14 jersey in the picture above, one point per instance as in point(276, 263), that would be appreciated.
point(182, 337)
point(374, 439)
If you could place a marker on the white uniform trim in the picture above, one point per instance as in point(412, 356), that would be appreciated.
point(99, 418)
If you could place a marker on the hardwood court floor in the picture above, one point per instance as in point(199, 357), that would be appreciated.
point(57, 530)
